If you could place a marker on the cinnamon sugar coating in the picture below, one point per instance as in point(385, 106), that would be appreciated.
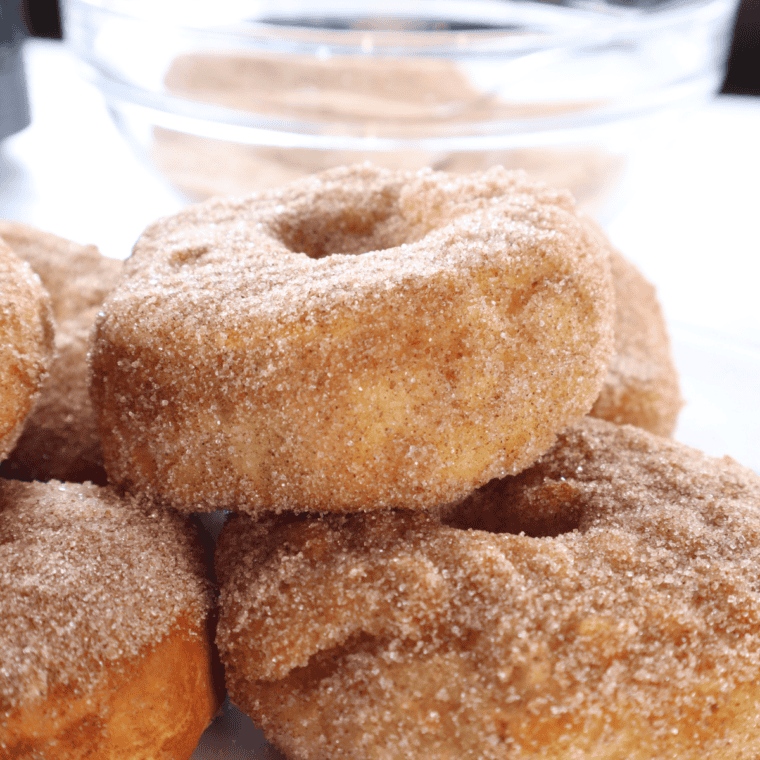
point(614, 614)
point(360, 339)
point(26, 344)
point(60, 439)
point(397, 99)
point(104, 645)
point(641, 387)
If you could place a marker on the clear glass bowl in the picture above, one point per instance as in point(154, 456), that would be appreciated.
point(232, 96)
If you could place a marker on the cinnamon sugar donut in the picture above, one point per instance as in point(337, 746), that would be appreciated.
point(613, 614)
point(104, 647)
point(26, 344)
point(641, 387)
point(60, 439)
point(360, 339)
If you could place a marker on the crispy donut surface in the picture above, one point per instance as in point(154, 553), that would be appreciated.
point(104, 641)
point(60, 439)
point(616, 618)
point(642, 386)
point(26, 344)
point(360, 339)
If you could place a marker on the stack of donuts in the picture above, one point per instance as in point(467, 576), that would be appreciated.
point(106, 642)
point(434, 409)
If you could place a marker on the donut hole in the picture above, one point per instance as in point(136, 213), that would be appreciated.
point(501, 507)
point(352, 230)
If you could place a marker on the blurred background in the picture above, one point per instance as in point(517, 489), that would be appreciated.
point(743, 77)
point(43, 19)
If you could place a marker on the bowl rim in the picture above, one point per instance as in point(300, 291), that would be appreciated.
point(502, 129)
point(584, 22)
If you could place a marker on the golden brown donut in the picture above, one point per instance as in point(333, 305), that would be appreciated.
point(104, 641)
point(60, 439)
point(641, 387)
point(602, 604)
point(360, 339)
point(26, 344)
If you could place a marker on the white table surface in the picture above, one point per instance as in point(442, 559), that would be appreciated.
point(689, 220)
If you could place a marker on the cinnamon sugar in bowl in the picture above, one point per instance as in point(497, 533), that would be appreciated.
point(231, 96)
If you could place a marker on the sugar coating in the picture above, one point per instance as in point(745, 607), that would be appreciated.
point(642, 386)
point(78, 277)
point(391, 97)
point(338, 88)
point(89, 581)
point(60, 439)
point(614, 613)
point(357, 340)
point(26, 344)
point(379, 95)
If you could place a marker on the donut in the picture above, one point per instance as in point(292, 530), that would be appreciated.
point(642, 386)
point(105, 647)
point(357, 340)
point(60, 439)
point(603, 603)
point(26, 344)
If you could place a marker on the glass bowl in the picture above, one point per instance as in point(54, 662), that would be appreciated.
point(233, 96)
